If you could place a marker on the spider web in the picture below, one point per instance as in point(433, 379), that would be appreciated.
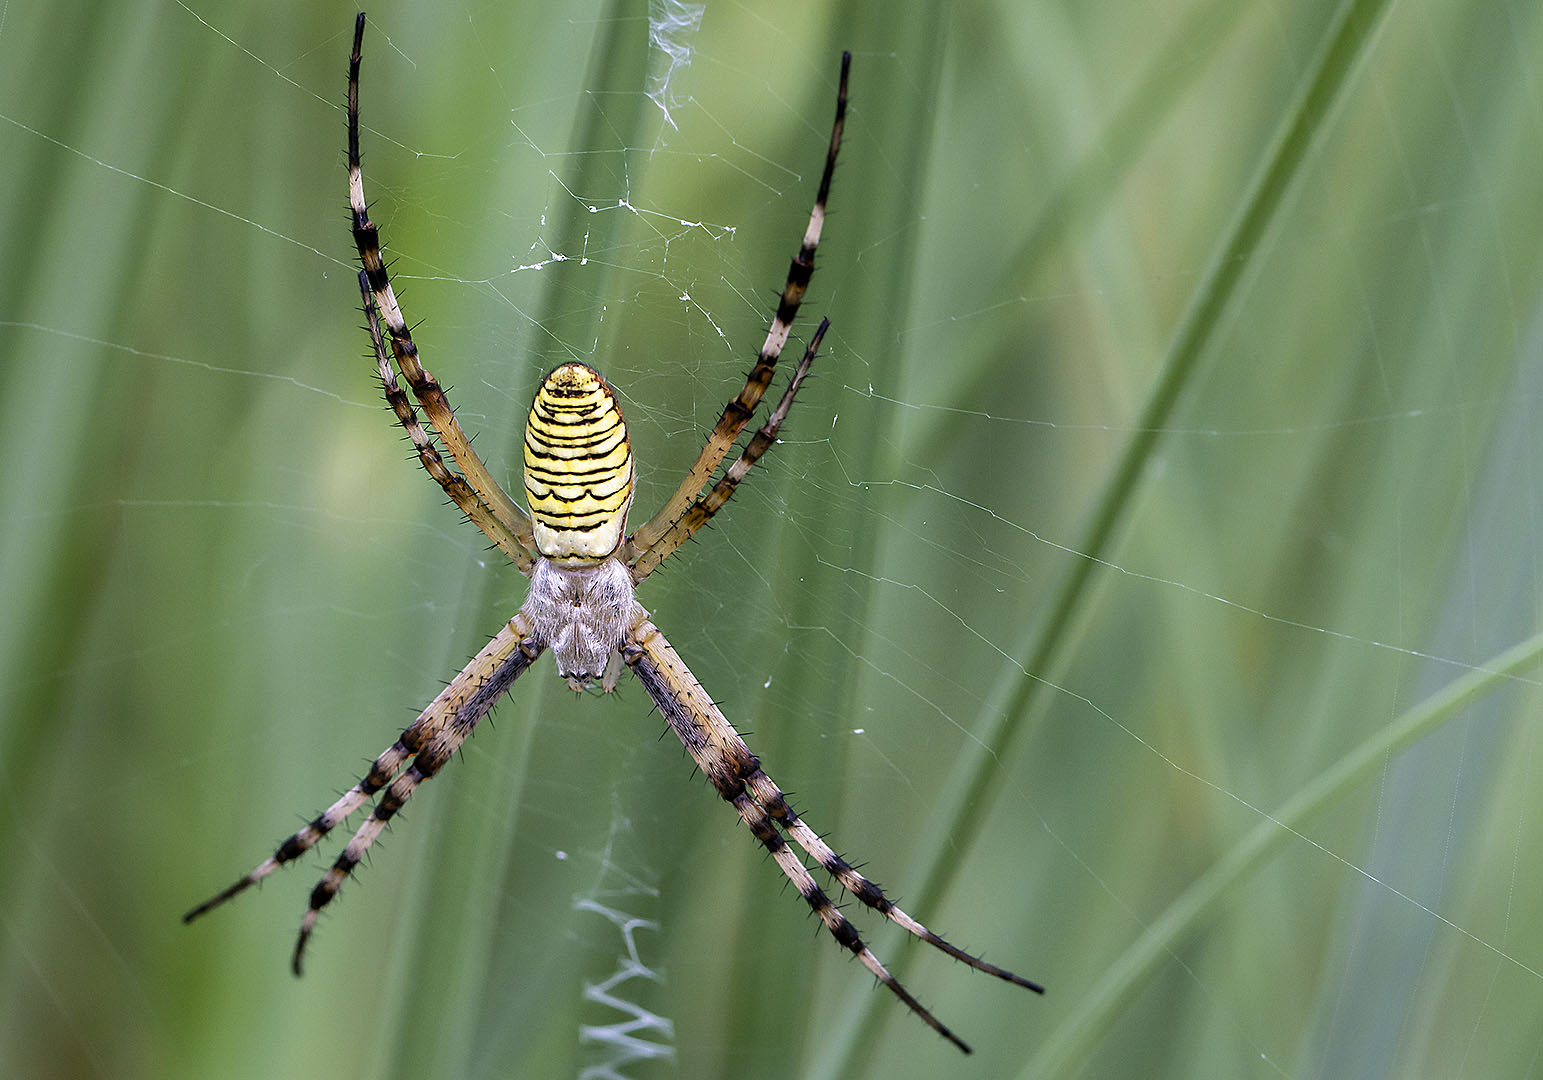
point(1145, 589)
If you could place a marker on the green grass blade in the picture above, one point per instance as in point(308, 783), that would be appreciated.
point(1075, 1037)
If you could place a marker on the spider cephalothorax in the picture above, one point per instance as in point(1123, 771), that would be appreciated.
point(579, 480)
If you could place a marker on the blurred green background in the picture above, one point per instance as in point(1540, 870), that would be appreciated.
point(1145, 590)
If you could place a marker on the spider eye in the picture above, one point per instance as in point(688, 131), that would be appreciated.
point(578, 466)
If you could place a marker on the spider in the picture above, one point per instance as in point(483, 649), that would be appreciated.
point(583, 569)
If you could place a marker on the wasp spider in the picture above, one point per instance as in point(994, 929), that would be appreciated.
point(583, 568)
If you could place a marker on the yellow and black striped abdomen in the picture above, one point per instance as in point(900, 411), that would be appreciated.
point(578, 466)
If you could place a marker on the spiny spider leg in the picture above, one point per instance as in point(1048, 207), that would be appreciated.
point(769, 796)
point(501, 661)
point(764, 790)
point(455, 486)
point(737, 413)
point(736, 773)
point(513, 526)
point(448, 706)
point(704, 508)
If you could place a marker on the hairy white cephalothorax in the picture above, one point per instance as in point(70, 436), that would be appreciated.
point(582, 613)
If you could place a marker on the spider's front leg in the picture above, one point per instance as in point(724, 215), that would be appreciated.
point(427, 743)
point(737, 775)
point(477, 689)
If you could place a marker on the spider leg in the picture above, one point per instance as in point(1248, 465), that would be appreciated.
point(754, 816)
point(505, 523)
point(701, 511)
point(455, 485)
point(771, 798)
point(469, 697)
point(385, 768)
point(736, 772)
point(737, 413)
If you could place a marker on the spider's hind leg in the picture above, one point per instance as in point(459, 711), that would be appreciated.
point(475, 490)
point(702, 510)
point(737, 413)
